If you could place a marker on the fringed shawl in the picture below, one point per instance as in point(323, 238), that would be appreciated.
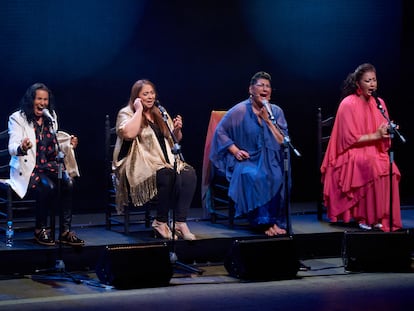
point(135, 174)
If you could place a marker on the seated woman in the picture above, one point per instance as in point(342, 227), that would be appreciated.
point(247, 149)
point(33, 165)
point(145, 165)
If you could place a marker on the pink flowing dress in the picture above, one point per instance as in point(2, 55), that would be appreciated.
point(356, 176)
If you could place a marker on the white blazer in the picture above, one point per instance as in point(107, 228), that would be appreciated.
point(21, 167)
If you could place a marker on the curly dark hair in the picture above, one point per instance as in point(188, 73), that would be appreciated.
point(349, 86)
point(260, 75)
point(26, 103)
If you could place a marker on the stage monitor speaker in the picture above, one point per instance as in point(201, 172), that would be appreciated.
point(262, 259)
point(135, 266)
point(377, 251)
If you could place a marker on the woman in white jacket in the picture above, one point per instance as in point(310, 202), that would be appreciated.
point(34, 164)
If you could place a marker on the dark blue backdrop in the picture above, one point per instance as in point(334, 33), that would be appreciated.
point(201, 55)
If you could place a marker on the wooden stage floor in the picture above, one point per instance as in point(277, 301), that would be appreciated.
point(25, 285)
point(314, 239)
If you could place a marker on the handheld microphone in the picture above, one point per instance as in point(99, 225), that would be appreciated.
point(286, 138)
point(392, 126)
point(161, 108)
point(269, 109)
point(46, 113)
point(375, 95)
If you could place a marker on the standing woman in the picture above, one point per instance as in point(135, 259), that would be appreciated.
point(33, 164)
point(355, 170)
point(144, 164)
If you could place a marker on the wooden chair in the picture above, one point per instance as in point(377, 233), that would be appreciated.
point(214, 188)
point(324, 128)
point(12, 207)
point(132, 214)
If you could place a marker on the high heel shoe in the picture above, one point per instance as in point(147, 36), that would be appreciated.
point(378, 226)
point(162, 230)
point(364, 226)
point(182, 230)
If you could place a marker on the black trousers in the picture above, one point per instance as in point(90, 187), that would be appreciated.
point(175, 191)
point(47, 198)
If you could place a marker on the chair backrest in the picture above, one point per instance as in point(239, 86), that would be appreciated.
point(20, 211)
point(113, 215)
point(110, 139)
point(324, 128)
point(5, 195)
point(215, 117)
point(4, 155)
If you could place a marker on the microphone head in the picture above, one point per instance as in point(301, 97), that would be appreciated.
point(46, 113)
point(157, 103)
point(374, 94)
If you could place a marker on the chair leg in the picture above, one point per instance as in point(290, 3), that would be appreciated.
point(147, 216)
point(213, 218)
point(232, 212)
point(319, 212)
point(9, 204)
point(108, 221)
point(126, 219)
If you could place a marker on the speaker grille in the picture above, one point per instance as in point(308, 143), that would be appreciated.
point(377, 251)
point(135, 266)
point(263, 259)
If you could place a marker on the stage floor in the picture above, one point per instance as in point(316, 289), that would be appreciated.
point(25, 286)
point(314, 239)
point(325, 287)
point(91, 228)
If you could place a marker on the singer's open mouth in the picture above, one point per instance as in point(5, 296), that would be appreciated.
point(39, 109)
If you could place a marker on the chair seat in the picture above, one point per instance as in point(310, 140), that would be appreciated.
point(4, 183)
point(132, 215)
point(13, 208)
point(215, 186)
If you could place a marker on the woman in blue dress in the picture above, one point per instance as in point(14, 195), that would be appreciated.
point(248, 149)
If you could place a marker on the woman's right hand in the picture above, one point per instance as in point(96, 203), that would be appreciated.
point(241, 155)
point(383, 131)
point(138, 104)
point(26, 144)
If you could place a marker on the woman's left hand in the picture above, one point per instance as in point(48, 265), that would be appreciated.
point(73, 141)
point(178, 122)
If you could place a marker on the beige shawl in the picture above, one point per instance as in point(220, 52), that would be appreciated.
point(137, 171)
point(70, 160)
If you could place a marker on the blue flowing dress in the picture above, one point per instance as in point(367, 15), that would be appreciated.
point(256, 185)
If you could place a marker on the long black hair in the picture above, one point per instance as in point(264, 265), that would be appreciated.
point(26, 103)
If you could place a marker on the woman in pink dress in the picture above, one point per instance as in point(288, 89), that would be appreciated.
point(356, 167)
